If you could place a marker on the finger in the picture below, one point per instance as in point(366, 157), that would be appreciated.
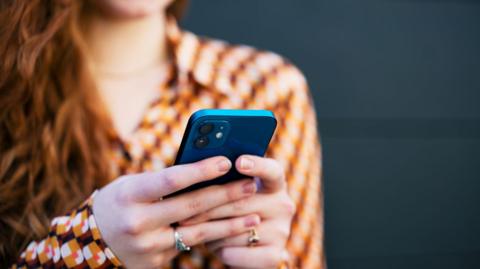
point(270, 233)
point(254, 257)
point(162, 239)
point(266, 205)
point(169, 254)
point(268, 170)
point(148, 187)
point(163, 257)
point(184, 206)
point(214, 230)
point(151, 242)
point(201, 233)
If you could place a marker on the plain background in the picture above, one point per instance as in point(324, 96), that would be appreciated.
point(397, 91)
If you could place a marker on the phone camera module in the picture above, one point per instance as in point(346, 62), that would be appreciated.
point(205, 128)
point(201, 142)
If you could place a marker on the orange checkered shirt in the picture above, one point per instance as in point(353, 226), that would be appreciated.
point(207, 73)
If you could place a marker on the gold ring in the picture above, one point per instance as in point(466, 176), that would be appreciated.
point(253, 238)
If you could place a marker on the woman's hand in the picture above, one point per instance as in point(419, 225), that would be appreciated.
point(135, 222)
point(275, 208)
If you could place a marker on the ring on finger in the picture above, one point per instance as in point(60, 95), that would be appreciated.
point(253, 238)
point(179, 244)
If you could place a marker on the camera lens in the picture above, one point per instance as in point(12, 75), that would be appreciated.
point(205, 128)
point(201, 142)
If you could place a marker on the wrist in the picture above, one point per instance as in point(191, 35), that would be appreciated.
point(98, 247)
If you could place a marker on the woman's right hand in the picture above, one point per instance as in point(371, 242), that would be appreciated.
point(135, 222)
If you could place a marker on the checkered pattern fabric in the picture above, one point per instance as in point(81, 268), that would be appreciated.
point(73, 242)
point(207, 73)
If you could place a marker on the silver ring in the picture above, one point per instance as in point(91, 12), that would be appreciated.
point(179, 244)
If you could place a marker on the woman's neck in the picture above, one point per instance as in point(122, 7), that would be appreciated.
point(127, 46)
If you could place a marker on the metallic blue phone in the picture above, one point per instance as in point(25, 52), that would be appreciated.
point(225, 132)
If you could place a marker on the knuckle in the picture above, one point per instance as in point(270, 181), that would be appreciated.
point(168, 179)
point(289, 206)
point(232, 230)
point(122, 195)
point(203, 169)
point(280, 170)
point(276, 167)
point(132, 225)
point(264, 168)
point(146, 247)
point(194, 205)
point(276, 164)
point(234, 227)
point(240, 205)
point(199, 236)
point(230, 193)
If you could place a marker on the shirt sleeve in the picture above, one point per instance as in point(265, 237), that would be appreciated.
point(296, 146)
point(74, 241)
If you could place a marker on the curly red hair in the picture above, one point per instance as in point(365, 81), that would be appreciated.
point(53, 129)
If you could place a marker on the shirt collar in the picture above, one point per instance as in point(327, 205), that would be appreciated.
point(183, 47)
point(186, 49)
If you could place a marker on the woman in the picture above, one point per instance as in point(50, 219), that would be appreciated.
point(96, 95)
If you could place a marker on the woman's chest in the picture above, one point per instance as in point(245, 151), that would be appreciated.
point(154, 142)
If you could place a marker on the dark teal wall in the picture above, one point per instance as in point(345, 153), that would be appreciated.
point(397, 91)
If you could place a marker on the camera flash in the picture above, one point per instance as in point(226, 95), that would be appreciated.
point(218, 135)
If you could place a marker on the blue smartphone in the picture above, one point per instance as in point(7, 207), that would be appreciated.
point(226, 132)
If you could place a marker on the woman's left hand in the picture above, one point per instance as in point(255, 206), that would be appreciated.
point(271, 203)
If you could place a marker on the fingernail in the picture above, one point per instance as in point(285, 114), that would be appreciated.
point(249, 187)
point(246, 163)
point(252, 221)
point(224, 165)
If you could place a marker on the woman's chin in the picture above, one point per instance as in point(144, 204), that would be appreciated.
point(124, 9)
